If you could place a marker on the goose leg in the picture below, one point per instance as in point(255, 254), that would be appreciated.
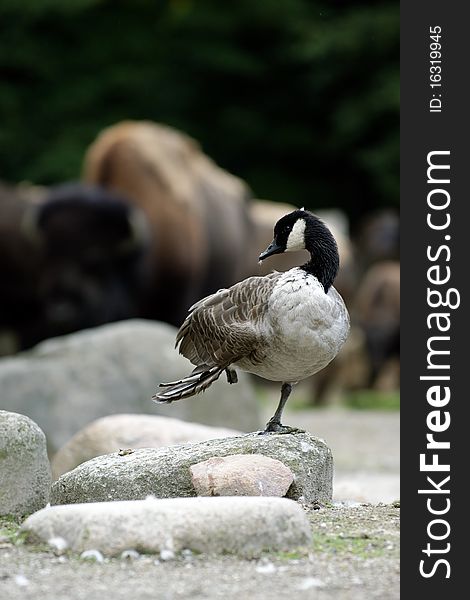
point(274, 424)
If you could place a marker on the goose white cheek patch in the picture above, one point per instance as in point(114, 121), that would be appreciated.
point(296, 239)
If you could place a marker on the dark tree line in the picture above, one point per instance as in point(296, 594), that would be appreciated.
point(298, 97)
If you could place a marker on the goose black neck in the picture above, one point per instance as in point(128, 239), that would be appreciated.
point(324, 257)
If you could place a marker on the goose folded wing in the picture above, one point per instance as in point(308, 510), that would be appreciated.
point(226, 326)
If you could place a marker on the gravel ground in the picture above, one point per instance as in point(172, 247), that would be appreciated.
point(354, 555)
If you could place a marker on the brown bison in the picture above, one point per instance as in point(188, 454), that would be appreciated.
point(198, 213)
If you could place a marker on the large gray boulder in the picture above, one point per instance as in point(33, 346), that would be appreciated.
point(246, 526)
point(67, 382)
point(165, 472)
point(116, 432)
point(25, 475)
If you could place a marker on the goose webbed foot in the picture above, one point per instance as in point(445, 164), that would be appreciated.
point(274, 426)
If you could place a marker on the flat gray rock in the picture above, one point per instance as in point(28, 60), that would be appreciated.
point(25, 474)
point(110, 434)
point(165, 472)
point(245, 526)
point(67, 382)
point(241, 475)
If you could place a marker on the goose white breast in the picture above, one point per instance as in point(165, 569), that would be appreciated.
point(304, 328)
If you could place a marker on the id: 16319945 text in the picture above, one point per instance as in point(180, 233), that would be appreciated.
point(435, 68)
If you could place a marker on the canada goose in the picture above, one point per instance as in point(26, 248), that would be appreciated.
point(283, 326)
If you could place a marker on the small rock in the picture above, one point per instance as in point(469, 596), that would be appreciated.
point(123, 433)
point(265, 567)
point(347, 504)
point(21, 580)
point(58, 545)
point(166, 554)
point(310, 582)
point(25, 475)
point(241, 475)
point(245, 526)
point(124, 451)
point(165, 472)
point(92, 555)
point(130, 554)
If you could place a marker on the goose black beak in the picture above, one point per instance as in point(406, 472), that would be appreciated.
point(273, 248)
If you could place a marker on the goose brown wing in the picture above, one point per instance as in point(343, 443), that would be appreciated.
point(225, 326)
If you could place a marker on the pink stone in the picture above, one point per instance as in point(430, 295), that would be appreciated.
point(241, 475)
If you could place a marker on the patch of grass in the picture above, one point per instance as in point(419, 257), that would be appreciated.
point(291, 555)
point(301, 399)
point(372, 399)
point(365, 531)
point(361, 545)
point(10, 531)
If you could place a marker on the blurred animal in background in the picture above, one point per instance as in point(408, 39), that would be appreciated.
point(20, 265)
point(72, 260)
point(376, 304)
point(377, 237)
point(197, 213)
point(377, 311)
point(94, 246)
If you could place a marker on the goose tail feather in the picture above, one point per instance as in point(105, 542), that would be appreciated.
point(188, 386)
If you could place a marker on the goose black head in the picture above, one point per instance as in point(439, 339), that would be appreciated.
point(302, 230)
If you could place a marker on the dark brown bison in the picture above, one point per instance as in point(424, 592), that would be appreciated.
point(74, 260)
point(20, 265)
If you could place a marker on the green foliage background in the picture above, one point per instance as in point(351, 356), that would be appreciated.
point(298, 97)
